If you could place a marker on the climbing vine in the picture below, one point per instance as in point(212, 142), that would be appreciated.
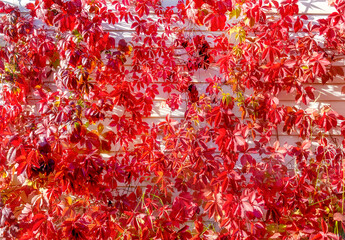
point(81, 158)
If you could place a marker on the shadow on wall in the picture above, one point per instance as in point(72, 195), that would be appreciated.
point(20, 3)
point(315, 7)
point(325, 95)
point(332, 95)
point(306, 6)
point(169, 3)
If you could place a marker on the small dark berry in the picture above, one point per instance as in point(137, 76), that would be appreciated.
point(44, 146)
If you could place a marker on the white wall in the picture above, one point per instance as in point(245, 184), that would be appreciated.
point(329, 94)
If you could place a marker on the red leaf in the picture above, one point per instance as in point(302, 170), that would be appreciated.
point(32, 158)
point(21, 167)
point(298, 25)
point(15, 141)
point(343, 90)
point(199, 226)
point(11, 154)
point(317, 237)
point(324, 226)
point(215, 21)
point(38, 220)
point(217, 119)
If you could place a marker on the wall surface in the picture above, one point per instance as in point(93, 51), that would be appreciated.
point(329, 95)
point(326, 94)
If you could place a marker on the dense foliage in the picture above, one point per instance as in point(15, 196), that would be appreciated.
point(81, 159)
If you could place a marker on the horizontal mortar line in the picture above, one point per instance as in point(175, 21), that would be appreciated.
point(294, 134)
point(204, 32)
point(191, 30)
point(163, 118)
point(180, 64)
point(152, 13)
point(217, 152)
point(329, 83)
point(129, 29)
point(108, 117)
point(164, 99)
point(210, 48)
point(178, 48)
point(319, 101)
point(160, 30)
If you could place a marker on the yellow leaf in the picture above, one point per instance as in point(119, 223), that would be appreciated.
point(236, 12)
point(130, 48)
point(69, 200)
point(29, 183)
point(100, 128)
